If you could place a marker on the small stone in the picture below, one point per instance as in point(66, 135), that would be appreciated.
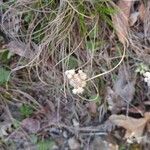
point(75, 123)
point(65, 135)
point(55, 147)
point(73, 144)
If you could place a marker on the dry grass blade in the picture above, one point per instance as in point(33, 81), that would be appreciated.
point(120, 20)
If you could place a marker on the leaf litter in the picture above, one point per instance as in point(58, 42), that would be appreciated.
point(62, 120)
point(134, 127)
point(123, 91)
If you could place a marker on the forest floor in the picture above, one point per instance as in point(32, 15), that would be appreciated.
point(74, 75)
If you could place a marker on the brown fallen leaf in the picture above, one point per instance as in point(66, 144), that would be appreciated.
point(134, 127)
point(121, 18)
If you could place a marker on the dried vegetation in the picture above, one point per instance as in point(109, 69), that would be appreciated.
point(101, 48)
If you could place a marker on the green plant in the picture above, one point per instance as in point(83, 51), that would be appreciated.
point(72, 62)
point(26, 110)
point(42, 144)
point(45, 145)
point(95, 98)
point(142, 68)
point(122, 147)
point(4, 75)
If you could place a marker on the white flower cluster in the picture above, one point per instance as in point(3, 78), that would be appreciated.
point(147, 78)
point(77, 80)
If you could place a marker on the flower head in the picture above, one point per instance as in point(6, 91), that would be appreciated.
point(147, 78)
point(77, 80)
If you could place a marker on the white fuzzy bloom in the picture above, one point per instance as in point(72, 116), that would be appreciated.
point(75, 91)
point(77, 80)
point(147, 78)
point(83, 83)
point(72, 82)
point(80, 90)
point(72, 72)
point(69, 76)
point(147, 74)
point(82, 75)
point(80, 71)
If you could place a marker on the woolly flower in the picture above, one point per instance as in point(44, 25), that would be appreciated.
point(70, 73)
point(147, 78)
point(77, 80)
point(79, 90)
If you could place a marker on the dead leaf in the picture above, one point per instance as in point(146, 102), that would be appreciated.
point(122, 92)
point(31, 125)
point(137, 110)
point(18, 136)
point(100, 143)
point(134, 127)
point(120, 20)
point(4, 129)
point(21, 49)
point(123, 86)
point(11, 21)
point(92, 107)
